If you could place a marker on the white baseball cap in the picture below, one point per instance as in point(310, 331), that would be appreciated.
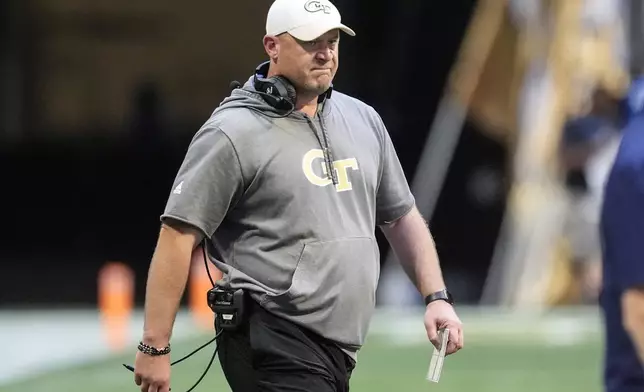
point(305, 20)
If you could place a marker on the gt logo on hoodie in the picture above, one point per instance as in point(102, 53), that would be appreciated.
point(341, 168)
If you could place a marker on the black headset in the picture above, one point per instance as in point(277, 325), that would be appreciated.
point(278, 91)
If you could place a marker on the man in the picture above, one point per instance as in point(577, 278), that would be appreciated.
point(289, 195)
point(622, 228)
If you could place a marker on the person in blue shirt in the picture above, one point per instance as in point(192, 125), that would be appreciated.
point(622, 232)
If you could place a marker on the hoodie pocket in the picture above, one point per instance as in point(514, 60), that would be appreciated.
point(334, 283)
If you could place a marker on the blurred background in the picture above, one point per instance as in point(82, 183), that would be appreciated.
point(505, 115)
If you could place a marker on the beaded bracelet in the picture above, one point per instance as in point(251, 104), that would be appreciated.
point(149, 350)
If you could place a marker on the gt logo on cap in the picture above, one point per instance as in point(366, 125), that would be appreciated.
point(316, 5)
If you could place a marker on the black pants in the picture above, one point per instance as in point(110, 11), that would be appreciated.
point(270, 354)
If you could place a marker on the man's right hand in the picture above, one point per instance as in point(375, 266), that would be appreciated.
point(166, 282)
point(152, 373)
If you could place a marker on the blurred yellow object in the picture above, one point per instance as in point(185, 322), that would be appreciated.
point(497, 53)
point(492, 42)
point(521, 73)
point(562, 288)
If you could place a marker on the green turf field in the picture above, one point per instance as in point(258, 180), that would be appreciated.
point(519, 362)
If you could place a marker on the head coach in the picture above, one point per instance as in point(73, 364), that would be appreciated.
point(286, 183)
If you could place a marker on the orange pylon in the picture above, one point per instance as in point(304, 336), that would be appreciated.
point(115, 302)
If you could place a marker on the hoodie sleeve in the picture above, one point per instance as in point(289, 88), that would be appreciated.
point(394, 198)
point(208, 184)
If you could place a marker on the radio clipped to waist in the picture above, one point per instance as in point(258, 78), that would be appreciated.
point(228, 305)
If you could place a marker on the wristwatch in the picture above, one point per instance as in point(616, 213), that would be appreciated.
point(442, 295)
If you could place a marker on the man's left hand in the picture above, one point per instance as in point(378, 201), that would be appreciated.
point(438, 315)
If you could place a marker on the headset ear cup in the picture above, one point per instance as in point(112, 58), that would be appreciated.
point(285, 89)
point(277, 90)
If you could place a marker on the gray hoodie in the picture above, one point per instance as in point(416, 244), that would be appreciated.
point(300, 242)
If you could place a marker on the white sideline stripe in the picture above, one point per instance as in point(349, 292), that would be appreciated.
point(65, 338)
point(565, 327)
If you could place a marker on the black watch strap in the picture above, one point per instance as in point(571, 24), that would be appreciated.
point(442, 295)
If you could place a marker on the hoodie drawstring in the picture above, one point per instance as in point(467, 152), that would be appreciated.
point(328, 155)
point(324, 143)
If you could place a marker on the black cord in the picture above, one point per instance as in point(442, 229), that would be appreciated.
point(214, 354)
point(205, 262)
point(212, 359)
point(128, 367)
point(197, 350)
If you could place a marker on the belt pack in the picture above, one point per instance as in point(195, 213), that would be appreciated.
point(229, 307)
